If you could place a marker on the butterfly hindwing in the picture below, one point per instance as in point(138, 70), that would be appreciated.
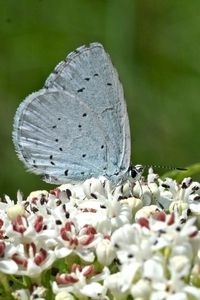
point(76, 127)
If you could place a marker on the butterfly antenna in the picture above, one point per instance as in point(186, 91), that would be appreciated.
point(167, 167)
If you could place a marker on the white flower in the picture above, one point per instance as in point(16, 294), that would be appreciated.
point(135, 204)
point(80, 242)
point(105, 252)
point(94, 290)
point(132, 243)
point(146, 212)
point(179, 265)
point(100, 241)
point(21, 294)
point(116, 284)
point(153, 268)
point(64, 296)
point(141, 289)
point(81, 281)
point(15, 210)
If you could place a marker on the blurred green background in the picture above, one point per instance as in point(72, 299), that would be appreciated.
point(155, 45)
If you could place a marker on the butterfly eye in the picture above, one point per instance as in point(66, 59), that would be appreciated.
point(136, 172)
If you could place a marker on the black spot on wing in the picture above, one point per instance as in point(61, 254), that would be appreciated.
point(80, 90)
point(34, 164)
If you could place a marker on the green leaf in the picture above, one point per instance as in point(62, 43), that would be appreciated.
point(179, 175)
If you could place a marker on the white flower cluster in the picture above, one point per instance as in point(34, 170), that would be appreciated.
point(92, 241)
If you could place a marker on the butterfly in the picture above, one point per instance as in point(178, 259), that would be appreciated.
point(76, 127)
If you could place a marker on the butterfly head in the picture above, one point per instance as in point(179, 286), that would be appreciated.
point(136, 172)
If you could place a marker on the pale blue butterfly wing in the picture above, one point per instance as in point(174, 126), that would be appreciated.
point(77, 126)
